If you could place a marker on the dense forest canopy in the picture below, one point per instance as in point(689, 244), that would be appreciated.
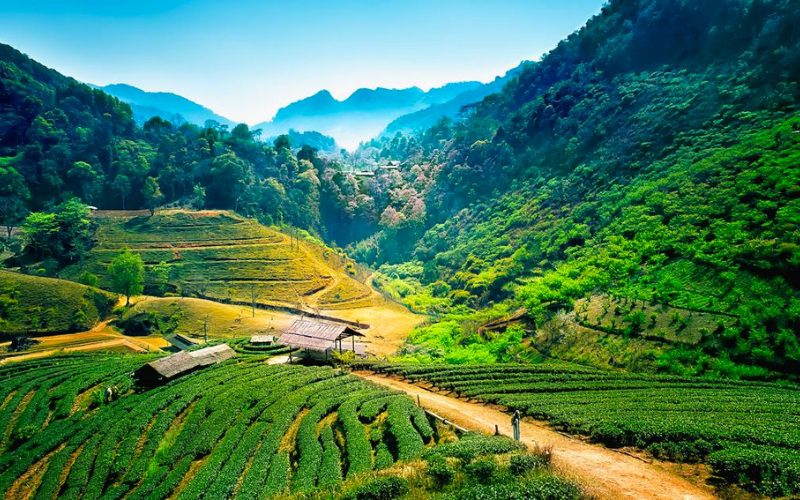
point(60, 138)
point(651, 156)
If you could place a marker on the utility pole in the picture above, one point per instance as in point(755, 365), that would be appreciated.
point(253, 299)
point(205, 329)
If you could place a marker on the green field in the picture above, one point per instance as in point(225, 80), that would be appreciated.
point(749, 432)
point(34, 305)
point(221, 256)
point(243, 429)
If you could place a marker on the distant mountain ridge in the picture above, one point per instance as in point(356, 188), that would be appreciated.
point(426, 118)
point(169, 106)
point(363, 115)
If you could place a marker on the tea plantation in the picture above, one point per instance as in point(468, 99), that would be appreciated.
point(242, 429)
point(749, 432)
point(222, 256)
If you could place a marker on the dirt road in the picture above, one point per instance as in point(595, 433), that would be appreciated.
point(101, 337)
point(604, 473)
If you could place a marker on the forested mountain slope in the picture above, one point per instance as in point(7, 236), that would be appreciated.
point(60, 139)
point(653, 156)
point(426, 118)
point(169, 106)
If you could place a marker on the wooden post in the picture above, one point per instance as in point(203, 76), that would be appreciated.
point(419, 402)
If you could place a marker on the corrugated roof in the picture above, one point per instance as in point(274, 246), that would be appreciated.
point(213, 354)
point(303, 342)
point(172, 365)
point(321, 329)
point(185, 360)
point(180, 341)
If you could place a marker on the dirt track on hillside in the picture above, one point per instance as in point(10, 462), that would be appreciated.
point(604, 473)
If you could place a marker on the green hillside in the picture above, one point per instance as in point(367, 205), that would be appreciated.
point(619, 165)
point(222, 256)
point(242, 429)
point(34, 305)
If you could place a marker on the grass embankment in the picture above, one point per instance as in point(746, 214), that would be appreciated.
point(240, 429)
point(34, 305)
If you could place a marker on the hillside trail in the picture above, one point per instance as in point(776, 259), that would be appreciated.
point(100, 336)
point(604, 473)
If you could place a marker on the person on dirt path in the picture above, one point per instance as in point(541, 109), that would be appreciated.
point(515, 424)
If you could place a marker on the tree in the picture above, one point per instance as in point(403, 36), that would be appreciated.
point(13, 194)
point(159, 277)
point(198, 196)
point(122, 185)
point(127, 274)
point(229, 177)
point(151, 193)
point(74, 230)
point(89, 181)
point(39, 229)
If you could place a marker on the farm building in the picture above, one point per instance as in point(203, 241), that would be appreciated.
point(262, 339)
point(180, 342)
point(165, 369)
point(319, 338)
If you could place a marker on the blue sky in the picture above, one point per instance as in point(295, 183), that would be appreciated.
point(244, 59)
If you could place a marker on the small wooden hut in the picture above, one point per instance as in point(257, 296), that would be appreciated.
point(319, 338)
point(170, 367)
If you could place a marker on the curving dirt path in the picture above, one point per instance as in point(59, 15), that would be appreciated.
point(604, 473)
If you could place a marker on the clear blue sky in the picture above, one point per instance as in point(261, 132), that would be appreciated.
point(246, 58)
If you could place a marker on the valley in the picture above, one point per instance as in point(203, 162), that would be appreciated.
point(362, 298)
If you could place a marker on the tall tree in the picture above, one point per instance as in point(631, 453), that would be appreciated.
point(127, 274)
point(39, 229)
point(122, 186)
point(13, 194)
point(151, 193)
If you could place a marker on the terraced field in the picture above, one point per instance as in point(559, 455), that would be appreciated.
point(749, 432)
point(244, 428)
point(223, 256)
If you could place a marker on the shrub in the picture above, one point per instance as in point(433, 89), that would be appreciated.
point(484, 469)
point(772, 472)
point(525, 462)
point(540, 488)
point(473, 445)
point(89, 279)
point(439, 470)
point(23, 433)
point(379, 488)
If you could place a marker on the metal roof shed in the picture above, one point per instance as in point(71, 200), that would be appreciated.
point(318, 336)
point(167, 368)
